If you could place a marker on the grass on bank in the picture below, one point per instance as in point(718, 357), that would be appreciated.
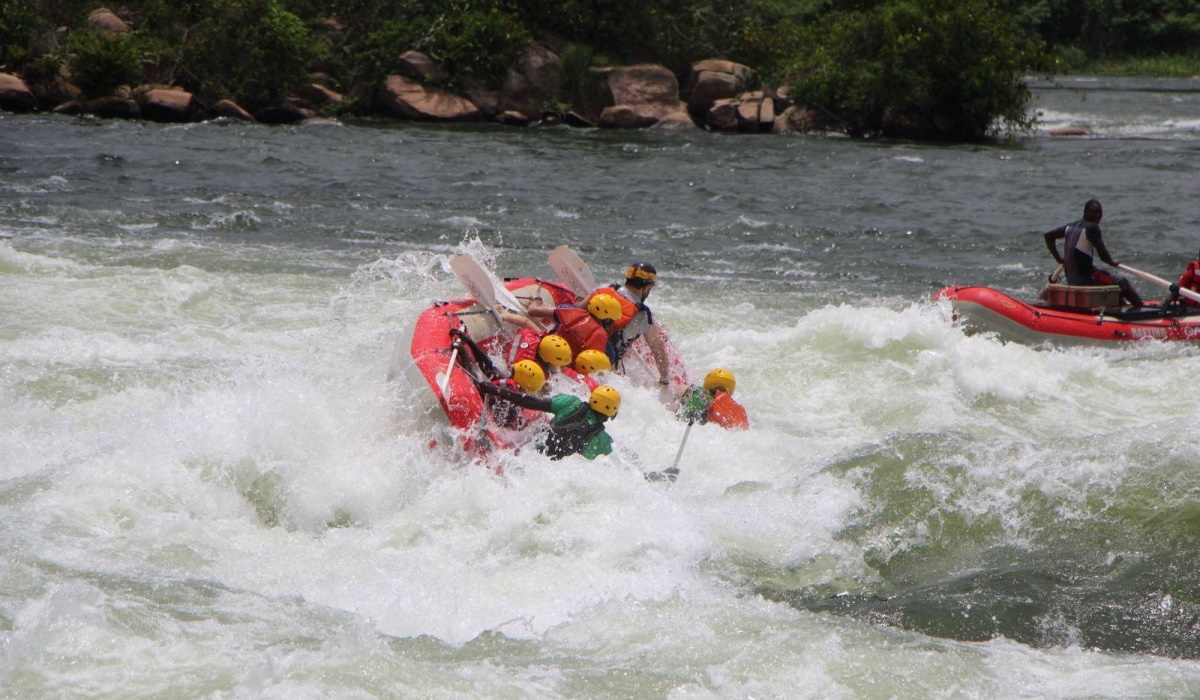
point(1159, 66)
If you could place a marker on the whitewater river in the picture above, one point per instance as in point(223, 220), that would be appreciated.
point(209, 488)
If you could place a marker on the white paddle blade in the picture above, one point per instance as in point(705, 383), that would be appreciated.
point(572, 270)
point(474, 280)
point(483, 285)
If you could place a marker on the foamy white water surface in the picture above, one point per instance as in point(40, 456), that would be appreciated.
point(209, 488)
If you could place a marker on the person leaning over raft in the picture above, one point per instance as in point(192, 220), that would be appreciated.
point(1082, 239)
point(576, 428)
point(713, 402)
point(636, 318)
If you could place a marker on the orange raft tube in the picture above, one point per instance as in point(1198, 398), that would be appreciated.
point(983, 309)
point(431, 351)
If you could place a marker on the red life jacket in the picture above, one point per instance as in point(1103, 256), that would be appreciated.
point(1190, 280)
point(628, 308)
point(727, 413)
point(580, 330)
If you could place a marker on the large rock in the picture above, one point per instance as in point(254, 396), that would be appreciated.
point(112, 107)
point(418, 66)
point(407, 99)
point(483, 96)
point(531, 81)
point(712, 80)
point(755, 112)
point(797, 119)
point(15, 95)
point(316, 95)
point(723, 115)
point(105, 21)
point(286, 111)
point(231, 110)
point(643, 95)
point(168, 105)
point(55, 92)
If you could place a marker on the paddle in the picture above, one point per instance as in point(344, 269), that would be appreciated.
point(670, 473)
point(484, 285)
point(444, 385)
point(572, 270)
point(1186, 293)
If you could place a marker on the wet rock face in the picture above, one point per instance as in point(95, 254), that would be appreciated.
point(407, 99)
point(15, 95)
point(105, 21)
point(643, 95)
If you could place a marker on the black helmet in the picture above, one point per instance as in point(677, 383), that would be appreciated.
point(640, 274)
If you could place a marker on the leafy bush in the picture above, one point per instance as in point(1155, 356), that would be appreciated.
point(251, 50)
point(918, 68)
point(19, 28)
point(100, 63)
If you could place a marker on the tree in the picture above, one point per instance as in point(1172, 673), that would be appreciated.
point(918, 68)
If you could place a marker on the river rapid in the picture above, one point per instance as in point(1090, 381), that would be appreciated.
point(209, 488)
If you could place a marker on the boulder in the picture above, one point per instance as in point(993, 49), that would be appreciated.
point(576, 119)
point(231, 110)
point(531, 81)
point(766, 114)
point(105, 21)
point(513, 118)
point(407, 99)
point(316, 95)
point(755, 112)
point(112, 107)
point(799, 119)
point(712, 80)
point(643, 95)
point(15, 95)
point(71, 107)
point(55, 92)
point(723, 115)
point(418, 66)
point(168, 105)
point(285, 112)
point(625, 117)
point(483, 97)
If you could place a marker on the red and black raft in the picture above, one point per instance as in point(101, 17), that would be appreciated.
point(1070, 316)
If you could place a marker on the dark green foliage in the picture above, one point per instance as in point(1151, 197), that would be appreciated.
point(19, 32)
point(101, 63)
point(476, 41)
point(253, 51)
point(918, 68)
point(1103, 28)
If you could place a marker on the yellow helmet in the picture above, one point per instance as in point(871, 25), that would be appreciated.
point(529, 376)
point(589, 361)
point(606, 400)
point(605, 307)
point(720, 379)
point(555, 350)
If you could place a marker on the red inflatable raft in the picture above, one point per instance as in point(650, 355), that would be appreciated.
point(436, 360)
point(983, 309)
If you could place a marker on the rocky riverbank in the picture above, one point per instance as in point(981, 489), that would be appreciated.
point(714, 94)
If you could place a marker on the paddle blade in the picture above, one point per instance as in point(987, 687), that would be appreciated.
point(572, 270)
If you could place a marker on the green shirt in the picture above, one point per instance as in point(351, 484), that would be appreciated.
point(562, 405)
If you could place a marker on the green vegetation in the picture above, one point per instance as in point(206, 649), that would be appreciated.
point(928, 68)
point(102, 63)
point(252, 50)
point(921, 68)
point(1166, 66)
